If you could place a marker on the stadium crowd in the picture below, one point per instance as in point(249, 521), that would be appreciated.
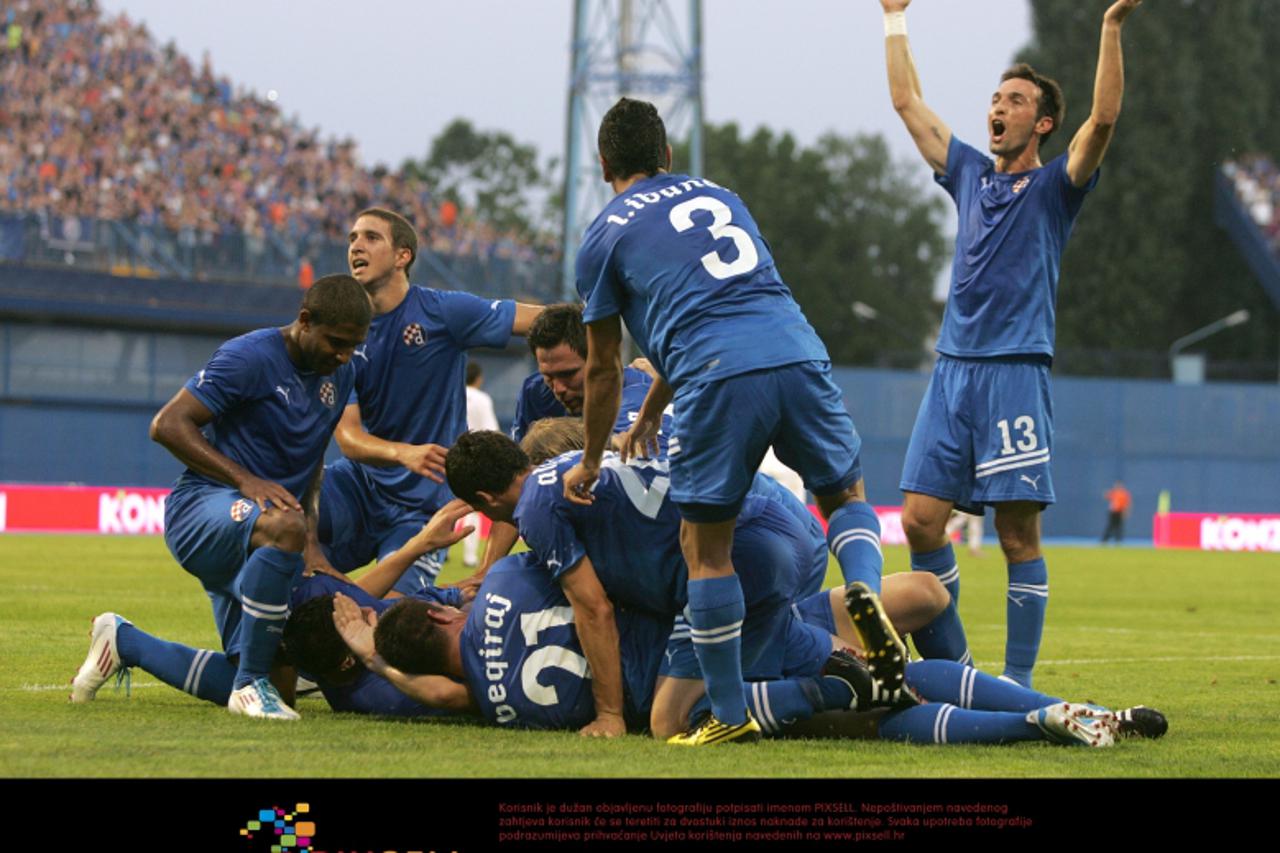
point(1257, 185)
point(98, 120)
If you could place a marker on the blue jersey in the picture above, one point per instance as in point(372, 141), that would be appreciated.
point(269, 417)
point(1009, 243)
point(410, 378)
point(631, 532)
point(523, 662)
point(537, 402)
point(682, 261)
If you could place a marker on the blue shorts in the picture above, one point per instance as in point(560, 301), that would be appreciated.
point(358, 525)
point(771, 555)
point(723, 427)
point(984, 433)
point(207, 528)
point(777, 645)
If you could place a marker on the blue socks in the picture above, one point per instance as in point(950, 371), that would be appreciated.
point(1028, 598)
point(942, 563)
point(947, 681)
point(202, 673)
point(944, 636)
point(853, 534)
point(941, 723)
point(263, 589)
point(715, 615)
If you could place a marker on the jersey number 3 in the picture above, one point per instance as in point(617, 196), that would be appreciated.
point(681, 217)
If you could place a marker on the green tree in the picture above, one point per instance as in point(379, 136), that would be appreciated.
point(491, 175)
point(845, 223)
point(1146, 263)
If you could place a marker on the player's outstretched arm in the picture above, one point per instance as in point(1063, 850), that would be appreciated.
point(1089, 145)
point(426, 460)
point(931, 135)
point(313, 557)
point(602, 395)
point(525, 315)
point(356, 628)
point(177, 427)
point(642, 438)
point(598, 633)
point(437, 533)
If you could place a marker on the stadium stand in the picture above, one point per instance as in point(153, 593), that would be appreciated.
point(124, 154)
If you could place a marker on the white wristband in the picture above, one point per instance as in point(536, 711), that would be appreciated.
point(895, 24)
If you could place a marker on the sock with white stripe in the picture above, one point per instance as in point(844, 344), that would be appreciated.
point(942, 563)
point(1028, 597)
point(944, 637)
point(776, 704)
point(853, 534)
point(715, 614)
point(940, 723)
point(948, 681)
point(263, 587)
point(202, 673)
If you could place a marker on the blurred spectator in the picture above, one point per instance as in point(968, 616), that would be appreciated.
point(1257, 184)
point(1118, 502)
point(97, 120)
point(306, 274)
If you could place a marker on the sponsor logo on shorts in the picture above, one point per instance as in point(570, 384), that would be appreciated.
point(328, 393)
point(240, 510)
point(1034, 481)
point(413, 335)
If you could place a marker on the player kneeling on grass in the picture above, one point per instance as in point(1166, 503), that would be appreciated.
point(117, 645)
point(516, 658)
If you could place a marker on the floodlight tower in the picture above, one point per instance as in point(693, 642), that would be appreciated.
point(626, 47)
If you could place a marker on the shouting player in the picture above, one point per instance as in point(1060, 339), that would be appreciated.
point(984, 432)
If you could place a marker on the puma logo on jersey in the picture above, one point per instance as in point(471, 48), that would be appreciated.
point(283, 392)
point(359, 352)
point(199, 379)
point(1034, 481)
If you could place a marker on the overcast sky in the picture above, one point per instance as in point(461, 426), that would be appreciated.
point(393, 73)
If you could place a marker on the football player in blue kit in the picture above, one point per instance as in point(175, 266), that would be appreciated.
point(984, 432)
point(517, 660)
point(681, 261)
point(624, 549)
point(243, 513)
point(409, 400)
point(118, 645)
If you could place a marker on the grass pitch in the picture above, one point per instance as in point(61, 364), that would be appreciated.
point(1196, 635)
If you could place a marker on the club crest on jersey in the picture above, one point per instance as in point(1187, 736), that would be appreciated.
point(1020, 185)
point(414, 335)
point(328, 393)
point(240, 510)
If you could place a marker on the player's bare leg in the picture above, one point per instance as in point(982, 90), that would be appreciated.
point(1018, 526)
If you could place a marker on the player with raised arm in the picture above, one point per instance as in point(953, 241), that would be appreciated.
point(624, 549)
point(984, 432)
point(409, 402)
point(681, 260)
point(118, 645)
point(517, 659)
point(242, 515)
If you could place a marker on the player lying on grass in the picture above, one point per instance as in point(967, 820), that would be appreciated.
point(623, 549)
point(516, 658)
point(116, 644)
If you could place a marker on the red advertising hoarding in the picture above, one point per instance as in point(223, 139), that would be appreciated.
point(1217, 531)
point(81, 509)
